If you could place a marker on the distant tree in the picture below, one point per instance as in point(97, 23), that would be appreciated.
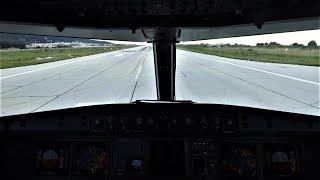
point(260, 44)
point(297, 45)
point(274, 44)
point(266, 44)
point(5, 45)
point(204, 44)
point(312, 44)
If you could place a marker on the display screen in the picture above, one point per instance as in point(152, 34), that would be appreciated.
point(281, 161)
point(91, 160)
point(136, 167)
point(167, 158)
point(51, 160)
point(239, 161)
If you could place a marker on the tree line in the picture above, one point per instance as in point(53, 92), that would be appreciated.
point(311, 44)
point(7, 44)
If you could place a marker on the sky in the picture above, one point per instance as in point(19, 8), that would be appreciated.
point(301, 37)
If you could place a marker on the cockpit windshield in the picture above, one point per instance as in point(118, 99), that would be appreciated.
point(276, 71)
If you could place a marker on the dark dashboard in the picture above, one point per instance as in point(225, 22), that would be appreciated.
point(160, 141)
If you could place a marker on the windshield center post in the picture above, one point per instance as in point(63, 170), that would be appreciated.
point(164, 49)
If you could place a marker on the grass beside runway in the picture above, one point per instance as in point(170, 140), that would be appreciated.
point(285, 55)
point(24, 57)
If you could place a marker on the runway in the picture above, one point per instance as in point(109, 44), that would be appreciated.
point(128, 75)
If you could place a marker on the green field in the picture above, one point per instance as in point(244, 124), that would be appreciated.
point(286, 55)
point(24, 57)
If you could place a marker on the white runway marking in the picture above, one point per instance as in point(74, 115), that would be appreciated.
point(27, 72)
point(260, 70)
point(50, 67)
point(118, 55)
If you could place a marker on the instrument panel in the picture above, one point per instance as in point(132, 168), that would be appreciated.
point(160, 140)
point(161, 119)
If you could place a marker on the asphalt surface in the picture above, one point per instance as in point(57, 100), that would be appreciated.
point(128, 75)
